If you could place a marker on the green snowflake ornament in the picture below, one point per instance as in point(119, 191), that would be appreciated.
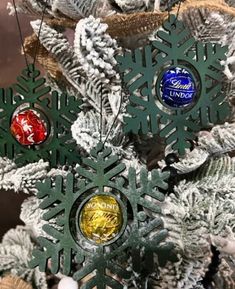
point(175, 86)
point(58, 113)
point(102, 221)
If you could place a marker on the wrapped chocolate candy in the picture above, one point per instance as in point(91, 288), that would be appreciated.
point(178, 88)
point(28, 128)
point(101, 219)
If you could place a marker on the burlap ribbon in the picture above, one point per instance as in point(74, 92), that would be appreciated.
point(13, 282)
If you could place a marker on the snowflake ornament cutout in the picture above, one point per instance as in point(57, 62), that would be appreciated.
point(147, 70)
point(101, 193)
point(34, 99)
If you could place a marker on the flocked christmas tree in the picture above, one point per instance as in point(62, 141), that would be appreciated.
point(131, 181)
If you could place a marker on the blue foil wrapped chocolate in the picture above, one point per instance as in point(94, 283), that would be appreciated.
point(178, 88)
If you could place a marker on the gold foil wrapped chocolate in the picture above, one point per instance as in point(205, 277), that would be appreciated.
point(101, 219)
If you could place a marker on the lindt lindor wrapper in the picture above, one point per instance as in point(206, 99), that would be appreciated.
point(28, 128)
point(178, 88)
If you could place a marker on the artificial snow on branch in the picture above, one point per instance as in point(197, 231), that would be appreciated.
point(95, 90)
point(224, 245)
point(58, 46)
point(218, 141)
point(208, 26)
point(199, 213)
point(95, 50)
point(94, 85)
point(185, 274)
point(31, 7)
point(24, 179)
point(202, 207)
point(32, 216)
point(224, 278)
point(86, 132)
point(128, 6)
point(21, 179)
point(15, 253)
point(190, 162)
point(77, 9)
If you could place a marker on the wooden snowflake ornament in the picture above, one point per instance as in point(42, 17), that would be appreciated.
point(175, 86)
point(103, 221)
point(36, 123)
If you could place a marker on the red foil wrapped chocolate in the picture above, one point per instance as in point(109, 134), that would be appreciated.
point(28, 128)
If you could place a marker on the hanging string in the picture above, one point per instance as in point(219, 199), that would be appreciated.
point(101, 119)
point(39, 32)
point(101, 113)
point(21, 34)
point(168, 9)
point(115, 119)
point(119, 110)
point(177, 13)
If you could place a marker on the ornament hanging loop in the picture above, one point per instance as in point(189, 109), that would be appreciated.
point(169, 8)
point(102, 143)
point(21, 35)
point(101, 113)
point(115, 119)
point(39, 32)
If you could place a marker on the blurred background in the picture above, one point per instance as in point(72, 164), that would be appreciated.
point(11, 64)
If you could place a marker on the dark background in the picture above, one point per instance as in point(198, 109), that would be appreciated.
point(11, 64)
